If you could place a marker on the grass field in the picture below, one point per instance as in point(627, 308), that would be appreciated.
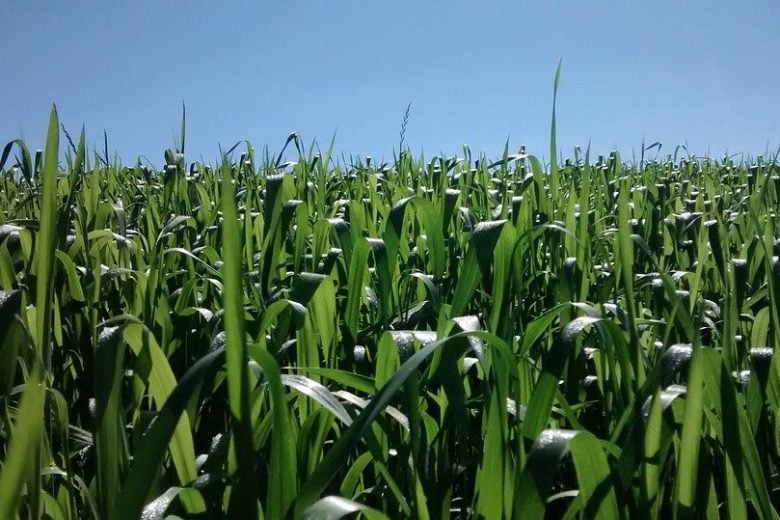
point(437, 338)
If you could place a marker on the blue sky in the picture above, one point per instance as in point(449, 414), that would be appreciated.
point(695, 72)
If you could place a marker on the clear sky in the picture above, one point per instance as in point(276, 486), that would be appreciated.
point(699, 72)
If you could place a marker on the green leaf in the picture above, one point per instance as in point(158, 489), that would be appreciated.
point(334, 508)
point(540, 406)
point(319, 393)
point(283, 480)
point(162, 382)
point(534, 484)
point(597, 494)
point(477, 263)
point(554, 182)
point(688, 469)
point(46, 242)
point(110, 442)
point(243, 502)
point(150, 453)
point(23, 446)
point(11, 338)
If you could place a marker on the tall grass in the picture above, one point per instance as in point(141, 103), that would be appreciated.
point(431, 339)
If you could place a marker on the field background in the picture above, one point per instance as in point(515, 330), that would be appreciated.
point(450, 337)
point(250, 270)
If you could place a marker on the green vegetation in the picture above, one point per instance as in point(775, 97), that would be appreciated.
point(450, 338)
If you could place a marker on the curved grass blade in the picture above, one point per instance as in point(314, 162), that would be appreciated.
point(155, 510)
point(161, 383)
point(347, 378)
point(338, 453)
point(150, 453)
point(535, 482)
point(319, 393)
point(334, 508)
point(26, 160)
point(478, 259)
point(597, 494)
point(541, 402)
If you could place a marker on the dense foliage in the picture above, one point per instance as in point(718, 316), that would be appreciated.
point(455, 337)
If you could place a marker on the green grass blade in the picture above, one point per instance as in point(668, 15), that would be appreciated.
point(150, 454)
point(26, 160)
point(283, 479)
point(554, 182)
point(597, 493)
point(23, 447)
point(162, 382)
point(12, 340)
point(334, 508)
point(652, 455)
point(625, 252)
point(110, 444)
point(46, 241)
point(688, 468)
point(243, 501)
point(478, 260)
point(541, 402)
point(534, 484)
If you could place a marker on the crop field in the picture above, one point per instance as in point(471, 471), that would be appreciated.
point(443, 338)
